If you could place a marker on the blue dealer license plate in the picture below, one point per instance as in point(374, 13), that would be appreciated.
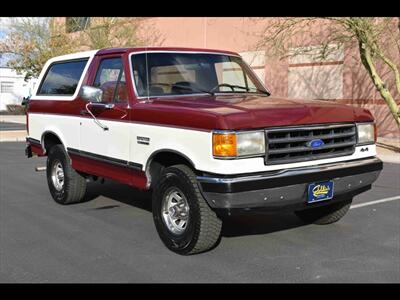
point(320, 191)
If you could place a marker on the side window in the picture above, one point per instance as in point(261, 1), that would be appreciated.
point(110, 77)
point(62, 78)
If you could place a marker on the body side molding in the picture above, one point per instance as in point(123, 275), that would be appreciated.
point(106, 159)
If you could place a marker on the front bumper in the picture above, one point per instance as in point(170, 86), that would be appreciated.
point(287, 189)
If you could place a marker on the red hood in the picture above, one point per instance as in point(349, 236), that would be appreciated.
point(245, 112)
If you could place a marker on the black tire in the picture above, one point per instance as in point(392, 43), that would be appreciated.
point(325, 214)
point(203, 228)
point(74, 185)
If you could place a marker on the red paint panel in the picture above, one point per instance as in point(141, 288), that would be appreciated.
point(121, 174)
point(244, 112)
point(205, 112)
point(37, 149)
point(218, 112)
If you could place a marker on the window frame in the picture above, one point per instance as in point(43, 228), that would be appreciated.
point(118, 80)
point(58, 63)
point(83, 55)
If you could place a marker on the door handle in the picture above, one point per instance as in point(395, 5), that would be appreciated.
point(104, 127)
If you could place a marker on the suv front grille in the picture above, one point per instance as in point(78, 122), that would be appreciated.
point(291, 144)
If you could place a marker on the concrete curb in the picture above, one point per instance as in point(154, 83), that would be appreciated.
point(20, 119)
point(13, 136)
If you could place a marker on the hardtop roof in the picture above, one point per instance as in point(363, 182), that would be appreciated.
point(168, 49)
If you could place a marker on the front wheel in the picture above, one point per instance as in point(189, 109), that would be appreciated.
point(325, 214)
point(183, 219)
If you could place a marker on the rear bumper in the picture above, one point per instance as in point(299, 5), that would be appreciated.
point(33, 147)
point(287, 189)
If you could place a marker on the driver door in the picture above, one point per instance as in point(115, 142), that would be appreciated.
point(109, 142)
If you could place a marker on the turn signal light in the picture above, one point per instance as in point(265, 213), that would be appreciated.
point(224, 145)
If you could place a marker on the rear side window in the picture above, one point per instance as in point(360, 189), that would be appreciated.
point(62, 78)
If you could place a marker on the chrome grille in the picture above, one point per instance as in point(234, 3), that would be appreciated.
point(290, 144)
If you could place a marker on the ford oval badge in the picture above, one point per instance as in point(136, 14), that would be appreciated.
point(315, 144)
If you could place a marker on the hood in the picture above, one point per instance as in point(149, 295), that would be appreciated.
point(251, 112)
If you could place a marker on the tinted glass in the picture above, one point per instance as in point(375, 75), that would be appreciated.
point(183, 73)
point(62, 78)
point(110, 78)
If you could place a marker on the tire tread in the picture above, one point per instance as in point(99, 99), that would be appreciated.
point(75, 183)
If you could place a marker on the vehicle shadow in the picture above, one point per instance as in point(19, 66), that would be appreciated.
point(118, 192)
point(259, 224)
point(233, 226)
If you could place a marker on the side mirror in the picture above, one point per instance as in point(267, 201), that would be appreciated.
point(91, 94)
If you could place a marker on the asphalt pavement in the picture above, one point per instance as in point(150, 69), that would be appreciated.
point(112, 238)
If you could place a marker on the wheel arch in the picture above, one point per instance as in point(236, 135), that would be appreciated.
point(50, 138)
point(163, 158)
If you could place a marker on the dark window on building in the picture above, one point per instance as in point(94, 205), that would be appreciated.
point(110, 78)
point(7, 87)
point(73, 24)
point(62, 78)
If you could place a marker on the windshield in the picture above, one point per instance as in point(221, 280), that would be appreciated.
point(166, 74)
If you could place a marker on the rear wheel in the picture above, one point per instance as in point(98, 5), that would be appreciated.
point(65, 184)
point(325, 214)
point(183, 219)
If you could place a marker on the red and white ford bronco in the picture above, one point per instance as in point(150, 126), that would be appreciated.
point(199, 129)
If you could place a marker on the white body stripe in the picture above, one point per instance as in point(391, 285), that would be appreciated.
point(120, 142)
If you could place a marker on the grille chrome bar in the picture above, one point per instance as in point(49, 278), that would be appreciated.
point(290, 144)
point(299, 139)
point(300, 149)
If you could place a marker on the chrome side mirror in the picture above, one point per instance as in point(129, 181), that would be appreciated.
point(91, 94)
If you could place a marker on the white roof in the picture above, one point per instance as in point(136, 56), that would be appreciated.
point(74, 55)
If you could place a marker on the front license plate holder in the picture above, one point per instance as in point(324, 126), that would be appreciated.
point(320, 191)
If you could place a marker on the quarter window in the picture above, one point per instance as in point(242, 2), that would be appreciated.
point(110, 78)
point(62, 78)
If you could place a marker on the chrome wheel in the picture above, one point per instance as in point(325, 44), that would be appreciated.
point(175, 210)
point(57, 175)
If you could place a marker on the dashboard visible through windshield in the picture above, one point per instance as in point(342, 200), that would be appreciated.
point(169, 73)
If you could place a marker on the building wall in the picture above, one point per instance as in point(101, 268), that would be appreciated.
point(339, 77)
point(13, 87)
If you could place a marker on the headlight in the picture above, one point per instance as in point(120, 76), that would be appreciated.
point(238, 144)
point(366, 133)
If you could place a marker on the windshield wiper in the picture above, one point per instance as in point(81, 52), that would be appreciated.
point(239, 87)
point(184, 87)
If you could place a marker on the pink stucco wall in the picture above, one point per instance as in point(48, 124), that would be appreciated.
point(242, 34)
